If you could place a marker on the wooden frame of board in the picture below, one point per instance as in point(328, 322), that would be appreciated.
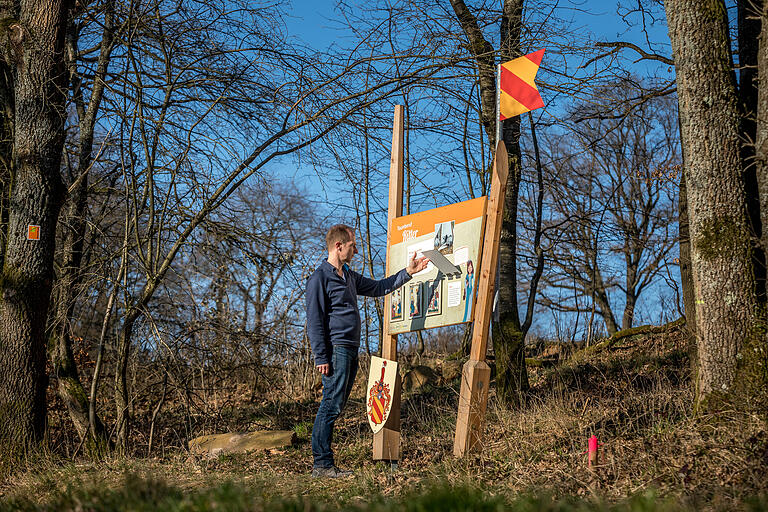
point(476, 373)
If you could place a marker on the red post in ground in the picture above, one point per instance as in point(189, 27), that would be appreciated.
point(592, 452)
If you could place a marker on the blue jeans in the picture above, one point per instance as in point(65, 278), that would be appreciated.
point(336, 388)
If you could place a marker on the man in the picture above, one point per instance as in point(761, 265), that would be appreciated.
point(333, 327)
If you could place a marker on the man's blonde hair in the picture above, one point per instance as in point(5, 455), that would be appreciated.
point(338, 233)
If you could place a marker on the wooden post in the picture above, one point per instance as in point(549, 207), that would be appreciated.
point(476, 374)
point(386, 442)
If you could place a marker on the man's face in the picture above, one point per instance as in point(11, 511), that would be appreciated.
point(347, 250)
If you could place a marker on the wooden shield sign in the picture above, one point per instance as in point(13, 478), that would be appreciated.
point(381, 386)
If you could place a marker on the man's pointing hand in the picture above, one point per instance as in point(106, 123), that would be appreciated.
point(416, 265)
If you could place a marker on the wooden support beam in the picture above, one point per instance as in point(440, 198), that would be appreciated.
point(386, 442)
point(475, 379)
point(476, 374)
point(395, 209)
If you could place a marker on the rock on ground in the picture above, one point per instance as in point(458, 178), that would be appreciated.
point(418, 377)
point(217, 444)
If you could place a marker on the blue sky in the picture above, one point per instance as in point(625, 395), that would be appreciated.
point(312, 20)
point(315, 23)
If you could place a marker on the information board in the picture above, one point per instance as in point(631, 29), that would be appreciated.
point(435, 297)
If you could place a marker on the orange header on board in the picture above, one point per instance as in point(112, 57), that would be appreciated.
point(423, 223)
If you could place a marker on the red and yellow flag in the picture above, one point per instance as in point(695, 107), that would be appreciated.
point(518, 92)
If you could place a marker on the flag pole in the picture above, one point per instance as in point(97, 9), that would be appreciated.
point(498, 104)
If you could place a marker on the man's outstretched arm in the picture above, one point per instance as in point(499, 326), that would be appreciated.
point(373, 288)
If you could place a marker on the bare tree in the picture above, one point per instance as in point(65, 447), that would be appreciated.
point(185, 78)
point(616, 208)
point(252, 252)
point(33, 53)
point(73, 218)
point(508, 334)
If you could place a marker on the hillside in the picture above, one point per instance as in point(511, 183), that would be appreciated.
point(635, 396)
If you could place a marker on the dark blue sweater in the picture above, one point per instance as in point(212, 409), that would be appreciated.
point(332, 314)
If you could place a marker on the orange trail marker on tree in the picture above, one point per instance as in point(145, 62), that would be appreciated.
point(33, 232)
point(518, 93)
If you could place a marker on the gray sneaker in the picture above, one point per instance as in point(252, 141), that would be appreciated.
point(331, 472)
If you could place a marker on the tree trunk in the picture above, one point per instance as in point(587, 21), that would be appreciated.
point(686, 273)
point(40, 80)
point(600, 297)
point(466, 341)
point(761, 173)
point(122, 393)
point(632, 260)
point(508, 335)
point(761, 137)
point(7, 118)
point(70, 388)
point(508, 338)
point(721, 252)
point(420, 343)
point(629, 310)
point(749, 28)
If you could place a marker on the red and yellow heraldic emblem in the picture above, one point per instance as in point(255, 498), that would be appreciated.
point(518, 92)
point(381, 382)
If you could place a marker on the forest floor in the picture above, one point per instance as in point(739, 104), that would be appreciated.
point(636, 396)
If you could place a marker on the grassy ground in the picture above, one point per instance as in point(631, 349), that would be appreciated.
point(636, 397)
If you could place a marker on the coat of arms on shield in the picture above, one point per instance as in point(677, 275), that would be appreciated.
point(381, 382)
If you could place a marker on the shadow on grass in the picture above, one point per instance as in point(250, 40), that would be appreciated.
point(138, 494)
